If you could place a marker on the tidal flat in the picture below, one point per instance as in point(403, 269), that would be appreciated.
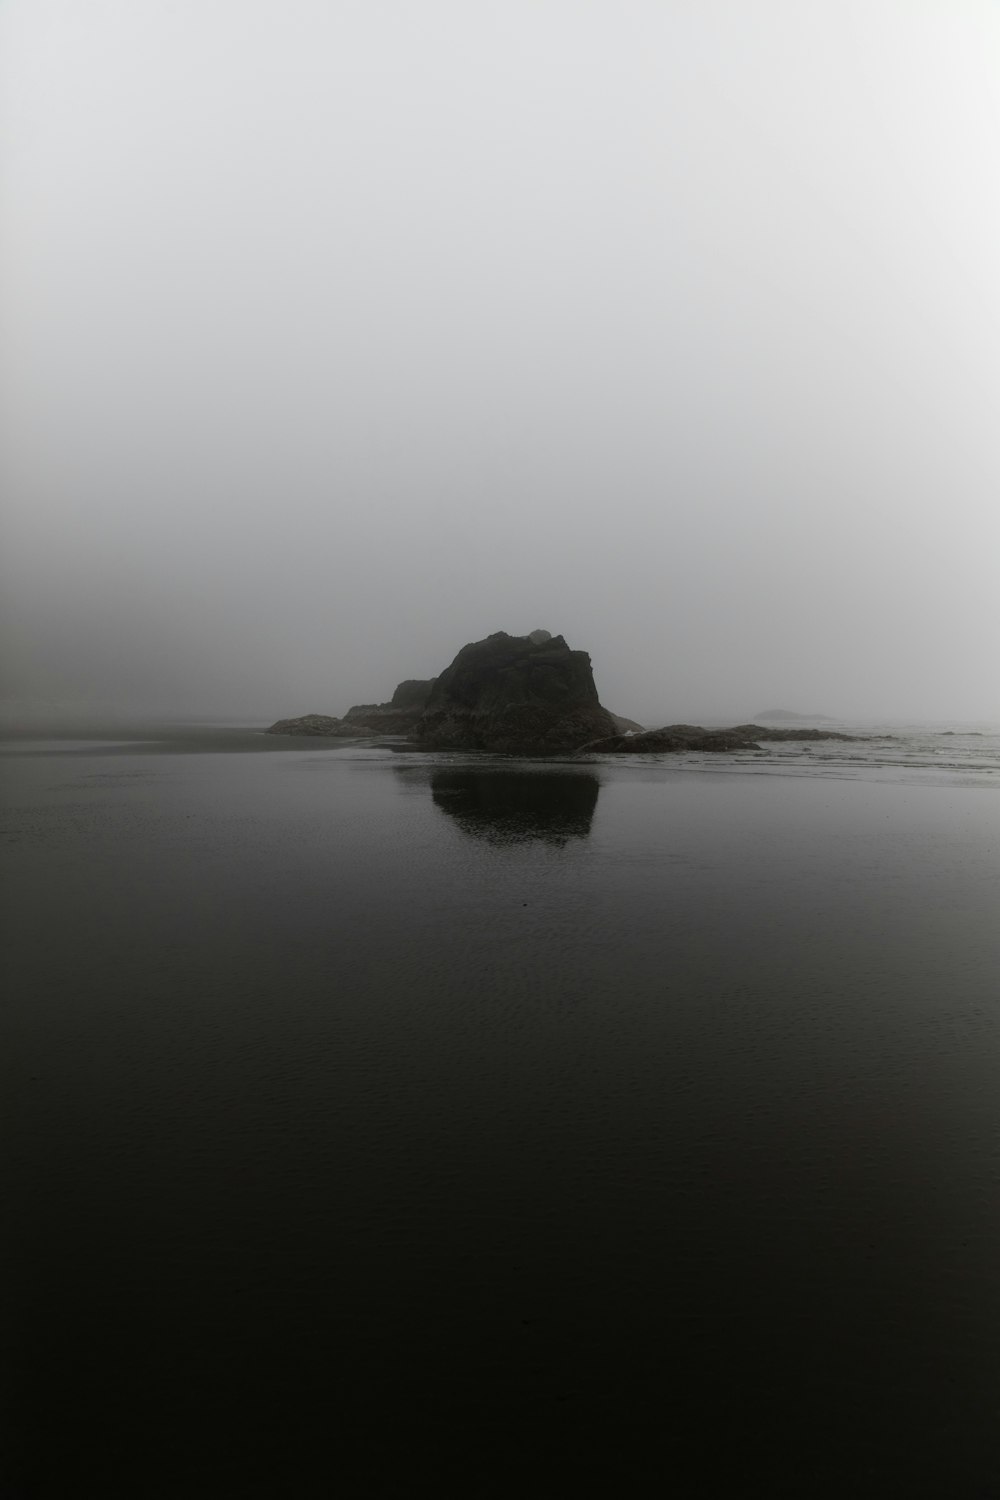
point(378, 1121)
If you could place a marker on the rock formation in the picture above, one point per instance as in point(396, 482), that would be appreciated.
point(761, 732)
point(514, 695)
point(673, 737)
point(399, 715)
point(317, 726)
point(381, 718)
point(694, 737)
point(526, 695)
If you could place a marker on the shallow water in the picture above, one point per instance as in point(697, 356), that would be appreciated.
point(379, 1119)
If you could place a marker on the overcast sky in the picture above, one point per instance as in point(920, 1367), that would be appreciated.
point(338, 333)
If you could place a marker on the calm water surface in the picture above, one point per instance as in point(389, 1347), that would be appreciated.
point(376, 1123)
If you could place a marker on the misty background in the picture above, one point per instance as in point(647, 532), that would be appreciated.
point(338, 333)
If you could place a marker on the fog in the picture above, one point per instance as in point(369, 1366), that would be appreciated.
point(338, 333)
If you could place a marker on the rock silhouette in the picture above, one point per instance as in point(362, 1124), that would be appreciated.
point(528, 695)
point(513, 695)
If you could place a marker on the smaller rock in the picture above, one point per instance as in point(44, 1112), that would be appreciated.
point(397, 716)
point(694, 737)
point(317, 726)
point(673, 737)
point(759, 732)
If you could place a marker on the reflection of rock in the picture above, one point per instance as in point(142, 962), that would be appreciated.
point(512, 695)
point(516, 806)
point(317, 726)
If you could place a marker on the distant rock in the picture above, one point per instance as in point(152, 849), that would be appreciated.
point(514, 695)
point(317, 726)
point(785, 716)
point(539, 637)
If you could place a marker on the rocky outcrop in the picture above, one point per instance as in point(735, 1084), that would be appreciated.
point(694, 737)
point(382, 718)
point(761, 732)
point(514, 695)
point(399, 715)
point(509, 694)
point(317, 726)
point(527, 695)
point(673, 737)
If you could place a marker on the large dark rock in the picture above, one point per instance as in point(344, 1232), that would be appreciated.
point(520, 695)
point(317, 726)
point(516, 696)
